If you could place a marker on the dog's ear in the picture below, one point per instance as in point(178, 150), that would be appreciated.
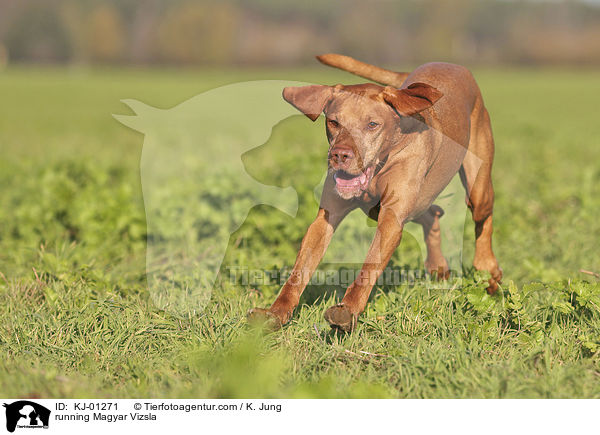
point(412, 100)
point(309, 100)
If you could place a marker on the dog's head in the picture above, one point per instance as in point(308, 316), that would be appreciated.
point(360, 120)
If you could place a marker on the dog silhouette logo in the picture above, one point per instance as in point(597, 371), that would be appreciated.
point(198, 192)
point(26, 414)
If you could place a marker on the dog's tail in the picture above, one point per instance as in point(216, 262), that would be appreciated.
point(371, 72)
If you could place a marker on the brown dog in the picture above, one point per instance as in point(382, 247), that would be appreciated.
point(392, 151)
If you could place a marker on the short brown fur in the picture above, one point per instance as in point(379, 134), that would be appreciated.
point(392, 151)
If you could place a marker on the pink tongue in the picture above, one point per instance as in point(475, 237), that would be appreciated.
point(352, 182)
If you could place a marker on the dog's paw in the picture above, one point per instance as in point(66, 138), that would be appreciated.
point(259, 317)
point(340, 317)
point(437, 268)
point(494, 280)
point(491, 265)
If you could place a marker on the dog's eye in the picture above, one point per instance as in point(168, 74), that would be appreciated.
point(372, 125)
point(333, 123)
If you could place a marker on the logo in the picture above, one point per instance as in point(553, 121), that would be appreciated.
point(26, 414)
point(198, 192)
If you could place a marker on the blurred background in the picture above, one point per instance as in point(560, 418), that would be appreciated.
point(290, 33)
point(76, 316)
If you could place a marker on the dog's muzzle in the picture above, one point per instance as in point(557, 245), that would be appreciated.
point(349, 185)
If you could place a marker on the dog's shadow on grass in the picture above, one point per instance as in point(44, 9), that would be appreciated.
point(391, 280)
point(394, 278)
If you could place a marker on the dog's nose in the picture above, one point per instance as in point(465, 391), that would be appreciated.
point(342, 156)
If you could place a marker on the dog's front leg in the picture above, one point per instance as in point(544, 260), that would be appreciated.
point(313, 247)
point(387, 238)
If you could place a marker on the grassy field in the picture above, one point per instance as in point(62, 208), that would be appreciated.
point(76, 319)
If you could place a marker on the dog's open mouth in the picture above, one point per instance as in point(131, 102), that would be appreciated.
point(350, 184)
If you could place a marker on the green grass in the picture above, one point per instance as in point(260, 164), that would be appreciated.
point(76, 319)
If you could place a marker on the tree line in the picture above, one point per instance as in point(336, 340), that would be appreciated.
point(289, 32)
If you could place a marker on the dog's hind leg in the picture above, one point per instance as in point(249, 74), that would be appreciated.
point(436, 263)
point(476, 176)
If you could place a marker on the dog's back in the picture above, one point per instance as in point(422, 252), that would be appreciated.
point(461, 96)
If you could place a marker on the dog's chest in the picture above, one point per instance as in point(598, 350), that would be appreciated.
point(369, 202)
